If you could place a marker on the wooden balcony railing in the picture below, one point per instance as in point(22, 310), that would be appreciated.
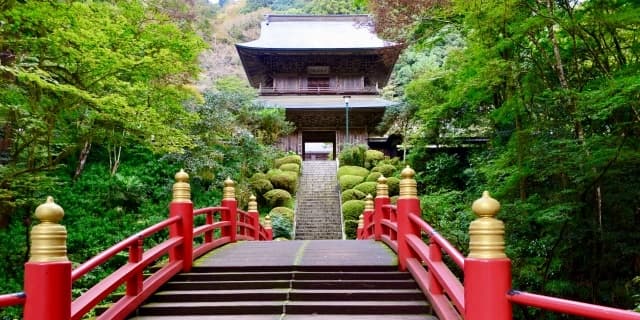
point(318, 90)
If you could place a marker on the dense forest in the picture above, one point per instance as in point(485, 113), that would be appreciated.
point(538, 101)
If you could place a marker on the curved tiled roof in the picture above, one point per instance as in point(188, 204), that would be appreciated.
point(305, 32)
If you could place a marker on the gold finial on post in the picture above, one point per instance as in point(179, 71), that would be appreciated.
point(368, 203)
point(181, 188)
point(253, 204)
point(408, 185)
point(361, 221)
point(382, 189)
point(48, 238)
point(229, 191)
point(267, 222)
point(486, 233)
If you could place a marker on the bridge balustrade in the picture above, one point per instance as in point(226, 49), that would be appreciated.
point(486, 293)
point(49, 276)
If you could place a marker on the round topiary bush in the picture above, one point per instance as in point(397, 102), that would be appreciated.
point(294, 158)
point(351, 228)
point(348, 181)
point(292, 167)
point(261, 186)
point(286, 180)
point(281, 222)
point(373, 176)
point(372, 157)
point(277, 197)
point(353, 171)
point(352, 209)
point(386, 169)
point(367, 188)
point(394, 186)
point(258, 176)
point(352, 194)
point(273, 172)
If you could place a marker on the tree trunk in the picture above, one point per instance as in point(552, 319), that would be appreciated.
point(82, 160)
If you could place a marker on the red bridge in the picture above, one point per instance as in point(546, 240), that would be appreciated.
point(228, 268)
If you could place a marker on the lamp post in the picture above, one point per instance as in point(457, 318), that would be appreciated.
point(346, 105)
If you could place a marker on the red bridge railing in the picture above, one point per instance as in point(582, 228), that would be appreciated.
point(486, 293)
point(49, 278)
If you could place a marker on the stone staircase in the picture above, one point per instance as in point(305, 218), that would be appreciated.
point(291, 280)
point(318, 209)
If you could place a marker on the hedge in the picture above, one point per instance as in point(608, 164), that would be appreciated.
point(277, 197)
point(353, 171)
point(386, 169)
point(348, 181)
point(286, 180)
point(292, 167)
point(373, 177)
point(352, 194)
point(281, 222)
point(261, 186)
point(394, 186)
point(350, 228)
point(367, 188)
point(372, 157)
point(352, 209)
point(294, 158)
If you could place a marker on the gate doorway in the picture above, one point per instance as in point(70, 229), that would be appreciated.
point(318, 145)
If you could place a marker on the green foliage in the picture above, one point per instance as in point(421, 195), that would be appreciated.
point(286, 180)
point(394, 199)
point(293, 158)
point(281, 222)
point(349, 181)
point(352, 155)
point(387, 170)
point(259, 176)
point(293, 167)
point(277, 197)
point(394, 186)
point(373, 176)
point(261, 186)
point(352, 209)
point(352, 194)
point(372, 157)
point(352, 171)
point(367, 188)
point(351, 228)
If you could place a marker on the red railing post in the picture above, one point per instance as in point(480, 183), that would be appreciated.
point(268, 228)
point(367, 216)
point(231, 214)
point(435, 255)
point(408, 203)
point(182, 206)
point(255, 217)
point(134, 284)
point(47, 274)
point(487, 270)
point(382, 199)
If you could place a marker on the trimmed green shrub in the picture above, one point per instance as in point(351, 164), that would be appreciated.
point(394, 199)
point(372, 157)
point(352, 155)
point(373, 176)
point(352, 209)
point(261, 186)
point(294, 158)
point(259, 176)
point(348, 181)
point(352, 194)
point(292, 167)
point(386, 169)
point(273, 172)
point(367, 188)
point(281, 222)
point(352, 170)
point(277, 197)
point(351, 228)
point(394, 186)
point(286, 180)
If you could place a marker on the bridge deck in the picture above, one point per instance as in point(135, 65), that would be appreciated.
point(304, 253)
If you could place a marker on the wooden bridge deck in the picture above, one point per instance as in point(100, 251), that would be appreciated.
point(302, 253)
